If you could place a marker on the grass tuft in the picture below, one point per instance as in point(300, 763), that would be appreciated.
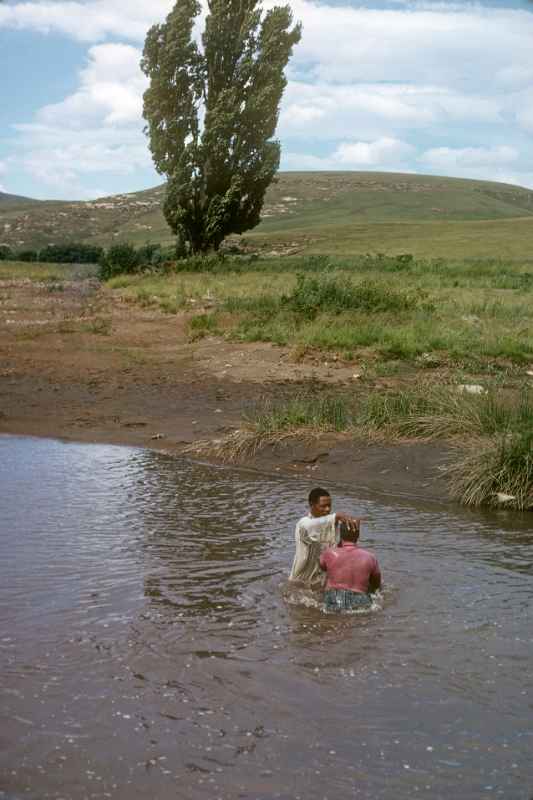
point(495, 472)
point(329, 293)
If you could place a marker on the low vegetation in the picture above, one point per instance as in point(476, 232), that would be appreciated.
point(492, 433)
point(440, 349)
point(472, 315)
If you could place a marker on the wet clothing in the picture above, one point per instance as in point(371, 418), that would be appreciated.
point(311, 535)
point(350, 567)
point(344, 600)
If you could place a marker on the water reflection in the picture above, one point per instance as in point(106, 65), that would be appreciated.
point(148, 649)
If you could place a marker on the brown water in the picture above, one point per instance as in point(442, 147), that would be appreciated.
point(148, 648)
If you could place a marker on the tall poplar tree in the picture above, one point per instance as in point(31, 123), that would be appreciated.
point(212, 111)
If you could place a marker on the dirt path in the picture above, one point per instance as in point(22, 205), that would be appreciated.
point(79, 364)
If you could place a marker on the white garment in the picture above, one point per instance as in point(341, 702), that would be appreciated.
point(311, 534)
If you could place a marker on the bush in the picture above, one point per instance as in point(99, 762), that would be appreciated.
point(71, 253)
point(330, 293)
point(149, 255)
point(27, 255)
point(214, 262)
point(119, 259)
point(6, 254)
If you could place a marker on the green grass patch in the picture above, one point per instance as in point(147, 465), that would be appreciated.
point(321, 413)
point(495, 472)
point(493, 464)
point(402, 309)
point(203, 325)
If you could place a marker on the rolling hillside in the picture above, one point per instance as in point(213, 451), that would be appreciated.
point(318, 212)
point(10, 200)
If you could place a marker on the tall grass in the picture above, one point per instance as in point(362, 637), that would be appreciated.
point(445, 413)
point(321, 413)
point(495, 472)
point(493, 434)
point(333, 294)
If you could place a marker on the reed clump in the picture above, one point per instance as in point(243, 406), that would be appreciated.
point(492, 433)
point(495, 472)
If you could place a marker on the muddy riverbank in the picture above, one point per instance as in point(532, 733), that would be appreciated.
point(77, 363)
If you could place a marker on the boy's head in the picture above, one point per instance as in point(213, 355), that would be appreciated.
point(347, 535)
point(320, 502)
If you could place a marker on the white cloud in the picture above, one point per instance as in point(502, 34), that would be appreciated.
point(111, 90)
point(97, 129)
point(371, 154)
point(469, 157)
point(443, 44)
point(372, 109)
point(501, 163)
point(86, 21)
point(382, 154)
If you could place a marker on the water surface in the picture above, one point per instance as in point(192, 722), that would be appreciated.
point(149, 647)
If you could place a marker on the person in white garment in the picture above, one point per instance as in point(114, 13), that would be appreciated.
point(314, 533)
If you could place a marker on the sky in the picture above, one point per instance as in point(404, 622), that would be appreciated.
point(422, 86)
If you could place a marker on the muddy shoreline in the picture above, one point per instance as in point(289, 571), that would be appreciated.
point(140, 417)
point(81, 365)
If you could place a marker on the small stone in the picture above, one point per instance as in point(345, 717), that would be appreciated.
point(471, 388)
point(501, 497)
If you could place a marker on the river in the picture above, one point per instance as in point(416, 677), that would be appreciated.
point(150, 647)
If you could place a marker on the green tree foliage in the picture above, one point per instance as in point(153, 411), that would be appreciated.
point(212, 112)
point(119, 259)
point(71, 253)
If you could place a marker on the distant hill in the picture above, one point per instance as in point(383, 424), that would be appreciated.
point(300, 204)
point(14, 200)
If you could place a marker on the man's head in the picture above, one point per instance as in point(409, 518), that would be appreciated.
point(320, 502)
point(347, 535)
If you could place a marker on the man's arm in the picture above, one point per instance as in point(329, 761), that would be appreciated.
point(318, 529)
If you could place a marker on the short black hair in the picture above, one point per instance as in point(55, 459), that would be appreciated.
point(316, 494)
point(347, 535)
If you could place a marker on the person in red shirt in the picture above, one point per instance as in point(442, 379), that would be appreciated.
point(352, 573)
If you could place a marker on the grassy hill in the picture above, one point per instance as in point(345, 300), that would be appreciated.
point(340, 212)
point(10, 200)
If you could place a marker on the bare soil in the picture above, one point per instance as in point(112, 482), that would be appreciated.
point(78, 363)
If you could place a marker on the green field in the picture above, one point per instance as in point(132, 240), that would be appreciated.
point(341, 213)
point(473, 315)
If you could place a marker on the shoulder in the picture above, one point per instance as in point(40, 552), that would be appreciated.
point(329, 555)
point(367, 555)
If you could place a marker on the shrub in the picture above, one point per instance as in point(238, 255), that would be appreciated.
point(27, 255)
point(149, 255)
point(71, 253)
point(6, 253)
point(120, 258)
point(314, 294)
point(214, 262)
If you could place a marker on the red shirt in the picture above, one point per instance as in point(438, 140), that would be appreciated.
point(350, 567)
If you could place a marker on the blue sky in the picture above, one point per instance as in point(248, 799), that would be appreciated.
point(404, 85)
